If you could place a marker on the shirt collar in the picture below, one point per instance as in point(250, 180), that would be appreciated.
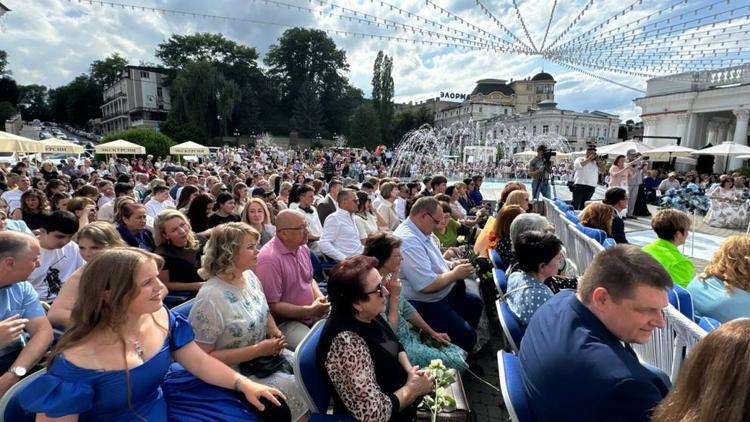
point(413, 227)
point(667, 245)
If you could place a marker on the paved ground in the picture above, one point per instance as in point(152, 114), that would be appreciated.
point(486, 403)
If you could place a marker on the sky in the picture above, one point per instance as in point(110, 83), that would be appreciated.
point(50, 42)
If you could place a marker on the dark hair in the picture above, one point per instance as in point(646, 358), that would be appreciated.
point(666, 223)
point(380, 245)
point(614, 195)
point(343, 193)
point(51, 185)
point(367, 185)
point(450, 189)
point(362, 198)
point(60, 221)
point(223, 198)
point(155, 190)
point(437, 181)
point(442, 197)
point(123, 178)
point(297, 191)
point(620, 269)
point(185, 194)
point(197, 212)
point(534, 248)
point(122, 188)
point(346, 285)
point(57, 197)
point(86, 190)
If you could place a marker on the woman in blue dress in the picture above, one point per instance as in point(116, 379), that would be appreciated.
point(112, 364)
point(403, 318)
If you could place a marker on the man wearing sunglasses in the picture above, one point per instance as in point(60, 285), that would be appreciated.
point(433, 285)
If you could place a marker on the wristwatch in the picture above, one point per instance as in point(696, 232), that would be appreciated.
point(18, 371)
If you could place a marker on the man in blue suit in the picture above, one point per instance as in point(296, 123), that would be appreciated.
point(576, 361)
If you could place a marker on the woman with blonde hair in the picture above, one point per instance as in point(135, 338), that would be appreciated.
point(518, 197)
point(177, 246)
point(112, 362)
point(722, 291)
point(239, 190)
point(231, 316)
point(598, 215)
point(91, 239)
point(712, 385)
point(257, 216)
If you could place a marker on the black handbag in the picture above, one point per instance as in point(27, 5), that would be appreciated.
point(264, 367)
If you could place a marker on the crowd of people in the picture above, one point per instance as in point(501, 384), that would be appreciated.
point(266, 242)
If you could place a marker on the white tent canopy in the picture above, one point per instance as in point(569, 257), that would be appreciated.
point(189, 148)
point(14, 143)
point(120, 146)
point(668, 152)
point(54, 145)
point(725, 149)
point(622, 148)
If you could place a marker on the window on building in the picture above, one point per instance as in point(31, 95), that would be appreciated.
point(545, 129)
point(480, 109)
point(575, 130)
point(533, 130)
point(159, 92)
point(591, 131)
point(144, 74)
point(566, 130)
point(506, 111)
point(605, 132)
point(598, 130)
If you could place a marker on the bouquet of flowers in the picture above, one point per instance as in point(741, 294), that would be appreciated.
point(439, 400)
point(690, 198)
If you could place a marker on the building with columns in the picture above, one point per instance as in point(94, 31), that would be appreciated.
point(700, 108)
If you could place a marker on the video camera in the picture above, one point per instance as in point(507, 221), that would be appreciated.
point(547, 155)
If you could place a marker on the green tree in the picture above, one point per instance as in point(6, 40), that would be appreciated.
point(201, 95)
point(4, 63)
point(106, 72)
point(156, 143)
point(76, 102)
point(382, 95)
point(307, 116)
point(411, 119)
point(32, 100)
point(365, 127)
point(183, 132)
point(8, 91)
point(7, 110)
point(181, 50)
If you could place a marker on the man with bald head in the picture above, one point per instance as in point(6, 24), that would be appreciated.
point(285, 270)
point(25, 332)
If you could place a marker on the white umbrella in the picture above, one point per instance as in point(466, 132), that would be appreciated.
point(525, 154)
point(14, 143)
point(54, 145)
point(120, 146)
point(622, 148)
point(188, 148)
point(667, 152)
point(725, 149)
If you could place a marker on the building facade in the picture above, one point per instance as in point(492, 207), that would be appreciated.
point(137, 99)
point(579, 128)
point(700, 108)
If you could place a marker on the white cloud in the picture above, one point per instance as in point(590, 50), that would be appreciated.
point(51, 41)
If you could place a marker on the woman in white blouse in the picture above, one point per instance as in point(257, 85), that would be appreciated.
point(365, 219)
point(386, 210)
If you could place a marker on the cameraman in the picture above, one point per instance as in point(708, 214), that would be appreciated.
point(585, 178)
point(540, 168)
point(639, 164)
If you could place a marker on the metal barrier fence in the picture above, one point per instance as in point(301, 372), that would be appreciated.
point(668, 346)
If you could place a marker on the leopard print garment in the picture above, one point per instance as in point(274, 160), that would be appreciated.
point(353, 374)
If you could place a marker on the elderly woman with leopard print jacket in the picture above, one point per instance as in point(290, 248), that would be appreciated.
point(367, 367)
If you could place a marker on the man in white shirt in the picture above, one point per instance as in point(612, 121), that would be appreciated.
point(340, 238)
point(106, 191)
point(13, 196)
point(585, 178)
point(160, 200)
point(59, 257)
point(670, 182)
point(107, 211)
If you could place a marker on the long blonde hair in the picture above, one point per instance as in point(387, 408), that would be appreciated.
point(222, 248)
point(101, 233)
point(262, 203)
point(161, 220)
point(731, 263)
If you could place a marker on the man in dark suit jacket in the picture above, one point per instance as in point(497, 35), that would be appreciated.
point(617, 198)
point(328, 205)
point(576, 361)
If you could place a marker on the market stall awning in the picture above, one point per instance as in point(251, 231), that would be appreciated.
point(54, 145)
point(14, 143)
point(120, 146)
point(189, 148)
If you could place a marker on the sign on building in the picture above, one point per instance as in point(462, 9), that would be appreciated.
point(454, 96)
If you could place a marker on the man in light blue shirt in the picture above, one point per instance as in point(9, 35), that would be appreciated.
point(21, 313)
point(432, 285)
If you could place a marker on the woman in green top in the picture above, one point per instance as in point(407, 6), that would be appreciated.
point(448, 230)
point(421, 342)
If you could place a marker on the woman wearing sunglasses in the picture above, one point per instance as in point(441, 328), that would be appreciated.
point(362, 356)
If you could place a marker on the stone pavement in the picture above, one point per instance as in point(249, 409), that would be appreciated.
point(486, 403)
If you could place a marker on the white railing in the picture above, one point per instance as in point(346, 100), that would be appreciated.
point(669, 346)
point(580, 248)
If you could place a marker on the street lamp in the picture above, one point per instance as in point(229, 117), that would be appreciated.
point(237, 136)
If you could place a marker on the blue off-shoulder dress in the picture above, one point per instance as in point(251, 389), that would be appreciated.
point(159, 390)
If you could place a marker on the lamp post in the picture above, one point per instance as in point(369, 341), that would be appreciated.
point(237, 137)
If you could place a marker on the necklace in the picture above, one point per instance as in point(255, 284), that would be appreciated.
point(138, 348)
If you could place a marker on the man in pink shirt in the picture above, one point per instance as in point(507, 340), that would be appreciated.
point(285, 270)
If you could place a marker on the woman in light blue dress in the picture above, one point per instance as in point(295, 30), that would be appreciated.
point(112, 364)
point(421, 343)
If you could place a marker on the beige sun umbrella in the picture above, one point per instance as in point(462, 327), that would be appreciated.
point(525, 155)
point(622, 148)
point(54, 145)
point(667, 152)
point(14, 143)
point(120, 146)
point(188, 148)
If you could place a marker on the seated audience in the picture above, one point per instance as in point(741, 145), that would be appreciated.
point(713, 379)
point(178, 247)
point(59, 256)
point(285, 270)
point(598, 215)
point(365, 218)
point(340, 238)
point(386, 209)
point(302, 198)
point(125, 329)
point(329, 204)
point(160, 200)
point(231, 318)
point(722, 291)
point(131, 224)
point(435, 287)
point(91, 239)
point(60, 200)
point(448, 230)
point(518, 197)
point(107, 211)
point(34, 208)
point(500, 236)
point(257, 216)
point(672, 226)
point(538, 259)
point(11, 224)
point(364, 362)
point(187, 194)
point(83, 208)
point(617, 198)
point(26, 332)
point(223, 210)
point(585, 336)
point(670, 182)
point(199, 210)
point(404, 319)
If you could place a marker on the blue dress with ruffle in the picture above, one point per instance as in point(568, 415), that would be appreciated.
point(159, 390)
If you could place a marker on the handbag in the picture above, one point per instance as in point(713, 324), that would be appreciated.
point(264, 367)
